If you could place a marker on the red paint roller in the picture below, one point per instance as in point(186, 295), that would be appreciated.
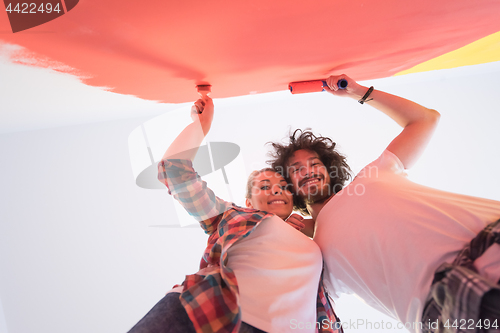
point(302, 87)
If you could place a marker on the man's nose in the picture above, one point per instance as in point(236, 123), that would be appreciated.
point(307, 172)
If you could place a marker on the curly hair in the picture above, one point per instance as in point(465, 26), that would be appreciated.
point(336, 164)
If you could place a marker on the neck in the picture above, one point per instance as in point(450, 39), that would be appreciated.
point(315, 208)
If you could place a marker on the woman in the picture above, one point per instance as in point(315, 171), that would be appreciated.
point(258, 274)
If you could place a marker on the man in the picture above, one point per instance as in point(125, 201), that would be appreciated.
point(392, 242)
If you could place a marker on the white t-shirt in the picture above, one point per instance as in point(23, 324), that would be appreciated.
point(277, 269)
point(383, 236)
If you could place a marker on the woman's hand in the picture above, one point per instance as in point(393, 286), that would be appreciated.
point(203, 112)
point(295, 220)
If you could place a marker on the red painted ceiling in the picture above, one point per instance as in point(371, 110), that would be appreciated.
point(160, 49)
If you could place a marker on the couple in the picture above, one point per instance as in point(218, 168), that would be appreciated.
point(420, 255)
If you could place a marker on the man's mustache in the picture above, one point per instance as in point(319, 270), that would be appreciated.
point(314, 176)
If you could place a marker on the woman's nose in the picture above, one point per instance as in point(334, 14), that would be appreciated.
point(277, 190)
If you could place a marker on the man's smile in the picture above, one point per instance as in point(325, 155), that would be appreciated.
point(311, 181)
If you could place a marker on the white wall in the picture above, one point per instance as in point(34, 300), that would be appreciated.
point(77, 252)
point(3, 324)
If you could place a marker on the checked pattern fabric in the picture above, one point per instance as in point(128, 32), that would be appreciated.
point(211, 299)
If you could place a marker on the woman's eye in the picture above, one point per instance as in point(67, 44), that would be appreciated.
point(265, 187)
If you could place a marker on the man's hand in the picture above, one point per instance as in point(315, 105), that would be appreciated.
point(295, 220)
point(352, 90)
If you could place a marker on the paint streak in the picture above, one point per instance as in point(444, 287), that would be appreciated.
point(160, 50)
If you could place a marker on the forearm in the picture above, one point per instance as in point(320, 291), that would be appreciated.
point(402, 111)
point(187, 143)
point(418, 122)
point(192, 193)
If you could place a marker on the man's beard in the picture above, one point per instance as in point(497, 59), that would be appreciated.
point(315, 194)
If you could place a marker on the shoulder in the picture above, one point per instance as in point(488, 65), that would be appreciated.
point(387, 162)
point(239, 222)
point(241, 214)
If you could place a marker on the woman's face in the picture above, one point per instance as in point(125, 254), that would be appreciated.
point(270, 193)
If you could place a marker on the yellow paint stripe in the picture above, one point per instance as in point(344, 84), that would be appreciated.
point(484, 50)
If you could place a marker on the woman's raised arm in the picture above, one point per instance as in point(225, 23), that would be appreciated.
point(188, 141)
point(182, 180)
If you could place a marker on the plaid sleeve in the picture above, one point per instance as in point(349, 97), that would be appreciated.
point(192, 193)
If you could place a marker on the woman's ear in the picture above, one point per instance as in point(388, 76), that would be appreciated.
point(248, 203)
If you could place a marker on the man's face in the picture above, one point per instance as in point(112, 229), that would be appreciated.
point(309, 176)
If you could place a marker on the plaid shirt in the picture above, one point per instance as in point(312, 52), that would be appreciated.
point(453, 305)
point(211, 299)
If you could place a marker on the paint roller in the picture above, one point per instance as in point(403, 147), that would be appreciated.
point(302, 87)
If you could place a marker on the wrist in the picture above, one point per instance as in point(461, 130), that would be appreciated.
point(205, 128)
point(358, 92)
point(366, 96)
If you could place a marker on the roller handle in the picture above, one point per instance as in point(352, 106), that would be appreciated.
point(313, 86)
point(342, 84)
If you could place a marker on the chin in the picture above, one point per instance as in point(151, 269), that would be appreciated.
point(280, 214)
point(315, 196)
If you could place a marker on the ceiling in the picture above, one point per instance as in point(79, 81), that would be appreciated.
point(160, 50)
point(103, 60)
